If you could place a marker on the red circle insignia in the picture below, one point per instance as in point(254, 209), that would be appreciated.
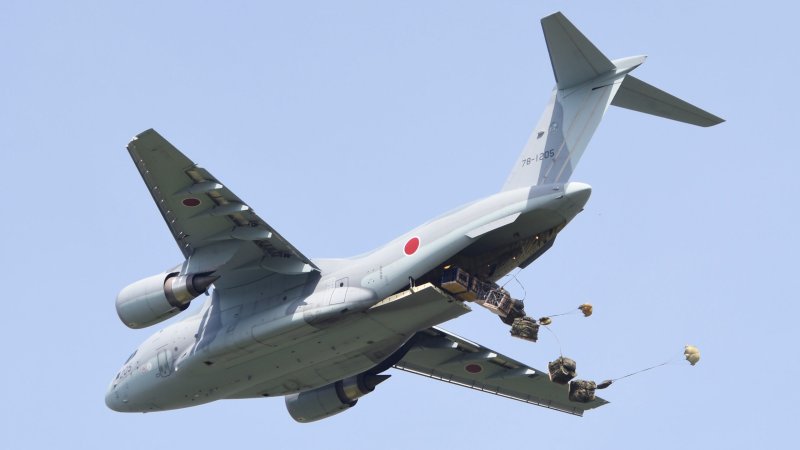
point(191, 202)
point(473, 368)
point(411, 246)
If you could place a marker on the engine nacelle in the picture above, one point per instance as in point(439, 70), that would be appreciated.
point(157, 298)
point(321, 403)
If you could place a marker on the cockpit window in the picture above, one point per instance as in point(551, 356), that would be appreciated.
point(131, 357)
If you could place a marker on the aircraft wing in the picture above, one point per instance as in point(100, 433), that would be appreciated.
point(215, 229)
point(444, 356)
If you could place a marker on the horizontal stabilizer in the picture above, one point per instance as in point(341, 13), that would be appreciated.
point(574, 58)
point(639, 96)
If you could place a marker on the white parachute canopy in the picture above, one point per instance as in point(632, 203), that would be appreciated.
point(692, 354)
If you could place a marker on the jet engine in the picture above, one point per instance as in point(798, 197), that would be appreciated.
point(332, 399)
point(157, 298)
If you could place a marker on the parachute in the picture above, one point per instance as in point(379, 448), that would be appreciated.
point(692, 354)
point(585, 308)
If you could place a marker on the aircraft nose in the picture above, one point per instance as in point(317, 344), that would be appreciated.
point(112, 401)
point(115, 399)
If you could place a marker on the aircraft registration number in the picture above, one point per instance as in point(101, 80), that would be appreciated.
point(538, 157)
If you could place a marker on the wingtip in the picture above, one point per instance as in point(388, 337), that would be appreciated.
point(147, 131)
point(557, 14)
point(712, 121)
point(143, 133)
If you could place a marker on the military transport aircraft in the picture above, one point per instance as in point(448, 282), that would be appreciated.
point(323, 332)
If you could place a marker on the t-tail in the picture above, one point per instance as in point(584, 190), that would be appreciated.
point(586, 83)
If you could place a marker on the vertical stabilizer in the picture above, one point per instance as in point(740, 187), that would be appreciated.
point(587, 82)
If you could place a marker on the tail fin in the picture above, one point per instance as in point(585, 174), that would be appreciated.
point(574, 58)
point(586, 83)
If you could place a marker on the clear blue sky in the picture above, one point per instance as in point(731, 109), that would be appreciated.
point(347, 123)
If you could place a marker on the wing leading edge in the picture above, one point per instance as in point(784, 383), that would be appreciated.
point(215, 229)
point(444, 356)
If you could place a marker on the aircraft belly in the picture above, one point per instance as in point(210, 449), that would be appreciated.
point(353, 347)
point(312, 374)
point(315, 360)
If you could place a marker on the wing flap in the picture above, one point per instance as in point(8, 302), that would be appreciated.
point(416, 308)
point(446, 357)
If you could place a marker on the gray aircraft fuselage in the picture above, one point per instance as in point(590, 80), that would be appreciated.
point(291, 334)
